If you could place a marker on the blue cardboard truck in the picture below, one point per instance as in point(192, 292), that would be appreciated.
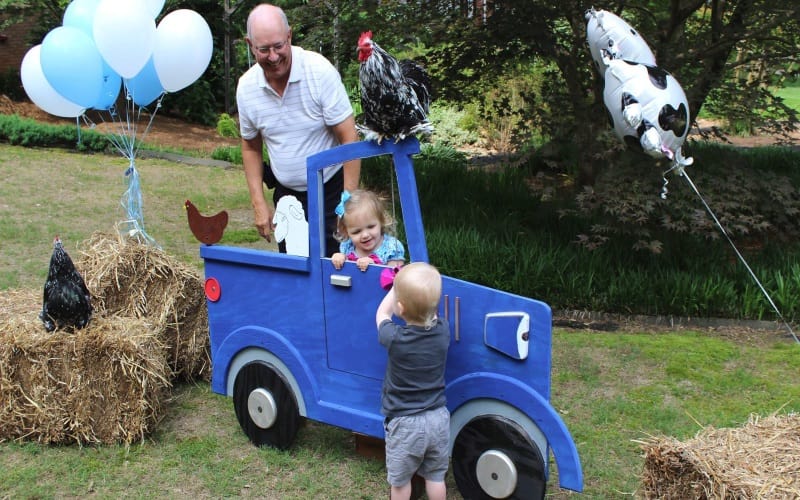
point(293, 338)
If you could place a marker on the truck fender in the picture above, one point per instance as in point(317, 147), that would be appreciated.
point(251, 343)
point(483, 393)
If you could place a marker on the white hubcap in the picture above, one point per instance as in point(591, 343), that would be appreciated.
point(261, 407)
point(496, 474)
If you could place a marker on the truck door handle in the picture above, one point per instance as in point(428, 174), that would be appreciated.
point(341, 280)
point(457, 314)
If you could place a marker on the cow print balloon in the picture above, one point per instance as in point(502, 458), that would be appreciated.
point(611, 37)
point(647, 107)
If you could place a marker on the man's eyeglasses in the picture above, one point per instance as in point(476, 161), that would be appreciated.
point(277, 47)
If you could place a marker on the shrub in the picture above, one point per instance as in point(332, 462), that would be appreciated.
point(227, 126)
point(26, 132)
point(447, 122)
point(232, 154)
point(749, 191)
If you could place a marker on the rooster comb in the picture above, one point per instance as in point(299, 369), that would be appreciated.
point(367, 35)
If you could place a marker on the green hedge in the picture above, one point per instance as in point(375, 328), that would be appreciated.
point(30, 133)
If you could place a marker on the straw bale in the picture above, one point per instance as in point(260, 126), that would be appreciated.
point(130, 278)
point(761, 459)
point(102, 384)
point(21, 302)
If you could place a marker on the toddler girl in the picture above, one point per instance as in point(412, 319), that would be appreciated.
point(363, 232)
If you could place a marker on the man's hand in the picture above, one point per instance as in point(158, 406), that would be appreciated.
point(263, 220)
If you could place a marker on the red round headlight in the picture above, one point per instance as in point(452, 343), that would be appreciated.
point(212, 289)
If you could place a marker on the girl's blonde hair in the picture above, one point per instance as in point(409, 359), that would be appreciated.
point(364, 199)
point(419, 287)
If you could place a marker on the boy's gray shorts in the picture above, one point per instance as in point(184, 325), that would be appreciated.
point(419, 444)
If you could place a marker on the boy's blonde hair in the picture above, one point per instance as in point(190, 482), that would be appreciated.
point(362, 198)
point(419, 287)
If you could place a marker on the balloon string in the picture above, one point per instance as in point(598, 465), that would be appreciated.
point(115, 138)
point(124, 140)
point(150, 122)
point(78, 126)
point(741, 257)
point(129, 131)
point(132, 203)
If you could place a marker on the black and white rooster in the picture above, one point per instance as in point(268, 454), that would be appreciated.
point(67, 302)
point(395, 96)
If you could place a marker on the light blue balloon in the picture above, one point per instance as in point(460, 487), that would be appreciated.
point(80, 14)
point(112, 82)
point(72, 65)
point(145, 87)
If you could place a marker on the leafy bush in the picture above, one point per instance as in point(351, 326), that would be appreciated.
point(227, 126)
point(510, 115)
point(450, 126)
point(749, 191)
point(26, 132)
point(232, 154)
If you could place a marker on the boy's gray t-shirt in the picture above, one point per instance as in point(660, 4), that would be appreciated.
point(414, 379)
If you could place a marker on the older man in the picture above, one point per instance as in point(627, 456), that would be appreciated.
point(293, 101)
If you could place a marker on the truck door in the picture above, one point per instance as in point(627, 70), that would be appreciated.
point(351, 297)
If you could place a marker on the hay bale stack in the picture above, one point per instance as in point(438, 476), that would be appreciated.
point(759, 460)
point(21, 303)
point(128, 278)
point(103, 384)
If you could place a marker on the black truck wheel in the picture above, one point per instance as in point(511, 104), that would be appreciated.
point(265, 407)
point(494, 458)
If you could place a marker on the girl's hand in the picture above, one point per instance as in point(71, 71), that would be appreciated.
point(364, 262)
point(338, 260)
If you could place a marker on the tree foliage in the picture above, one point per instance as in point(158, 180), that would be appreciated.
point(727, 53)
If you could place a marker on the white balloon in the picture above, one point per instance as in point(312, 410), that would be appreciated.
point(606, 32)
point(648, 107)
point(124, 32)
point(40, 91)
point(182, 50)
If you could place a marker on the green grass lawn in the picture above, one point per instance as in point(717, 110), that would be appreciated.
point(611, 389)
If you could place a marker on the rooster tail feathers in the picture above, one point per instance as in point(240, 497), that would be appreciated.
point(419, 81)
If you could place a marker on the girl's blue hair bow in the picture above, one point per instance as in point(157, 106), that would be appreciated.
point(340, 207)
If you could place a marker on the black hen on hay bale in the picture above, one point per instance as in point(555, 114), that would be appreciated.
point(102, 384)
point(129, 278)
point(759, 460)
